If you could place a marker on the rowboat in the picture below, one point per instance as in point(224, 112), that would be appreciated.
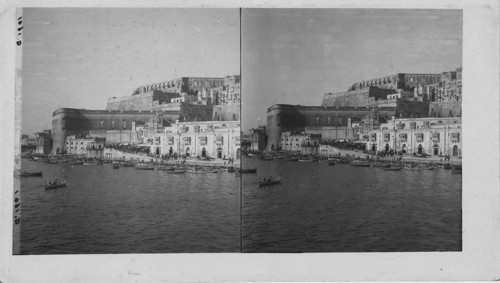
point(90, 163)
point(414, 168)
point(392, 168)
point(269, 181)
point(456, 169)
point(31, 174)
point(141, 166)
point(177, 171)
point(55, 184)
point(293, 158)
point(268, 157)
point(357, 163)
point(166, 168)
point(213, 171)
point(306, 160)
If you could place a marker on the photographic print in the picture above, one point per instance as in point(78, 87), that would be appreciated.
point(130, 124)
point(352, 126)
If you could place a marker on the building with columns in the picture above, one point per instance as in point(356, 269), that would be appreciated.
point(432, 136)
point(215, 139)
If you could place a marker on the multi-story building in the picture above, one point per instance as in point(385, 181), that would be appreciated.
point(258, 138)
point(215, 139)
point(84, 146)
point(432, 136)
point(43, 142)
point(300, 142)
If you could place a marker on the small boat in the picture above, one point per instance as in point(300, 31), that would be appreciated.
point(31, 174)
point(52, 161)
point(76, 162)
point(306, 160)
point(89, 163)
point(268, 157)
point(413, 168)
point(428, 168)
point(253, 170)
point(197, 171)
point(269, 181)
point(116, 166)
point(456, 169)
point(142, 166)
point(440, 165)
point(357, 163)
point(331, 162)
point(213, 171)
point(166, 168)
point(392, 168)
point(177, 171)
point(55, 184)
point(292, 158)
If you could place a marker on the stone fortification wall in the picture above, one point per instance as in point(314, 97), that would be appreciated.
point(359, 97)
point(191, 112)
point(146, 101)
point(445, 109)
point(412, 109)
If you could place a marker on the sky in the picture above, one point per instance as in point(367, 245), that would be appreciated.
point(80, 57)
point(295, 56)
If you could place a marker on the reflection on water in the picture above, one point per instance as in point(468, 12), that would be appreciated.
point(103, 210)
point(321, 208)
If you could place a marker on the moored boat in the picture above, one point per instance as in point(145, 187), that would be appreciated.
point(31, 174)
point(306, 160)
point(456, 169)
point(392, 168)
point(291, 158)
point(142, 166)
point(55, 184)
point(90, 163)
point(358, 163)
point(76, 162)
point(251, 170)
point(177, 171)
point(269, 181)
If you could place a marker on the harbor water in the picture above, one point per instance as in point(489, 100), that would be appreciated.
point(321, 208)
point(106, 210)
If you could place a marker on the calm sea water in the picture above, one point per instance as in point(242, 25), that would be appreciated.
point(317, 208)
point(321, 208)
point(104, 210)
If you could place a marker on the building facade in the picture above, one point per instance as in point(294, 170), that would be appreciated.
point(431, 136)
point(43, 142)
point(300, 143)
point(215, 139)
point(258, 139)
point(295, 118)
point(88, 147)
